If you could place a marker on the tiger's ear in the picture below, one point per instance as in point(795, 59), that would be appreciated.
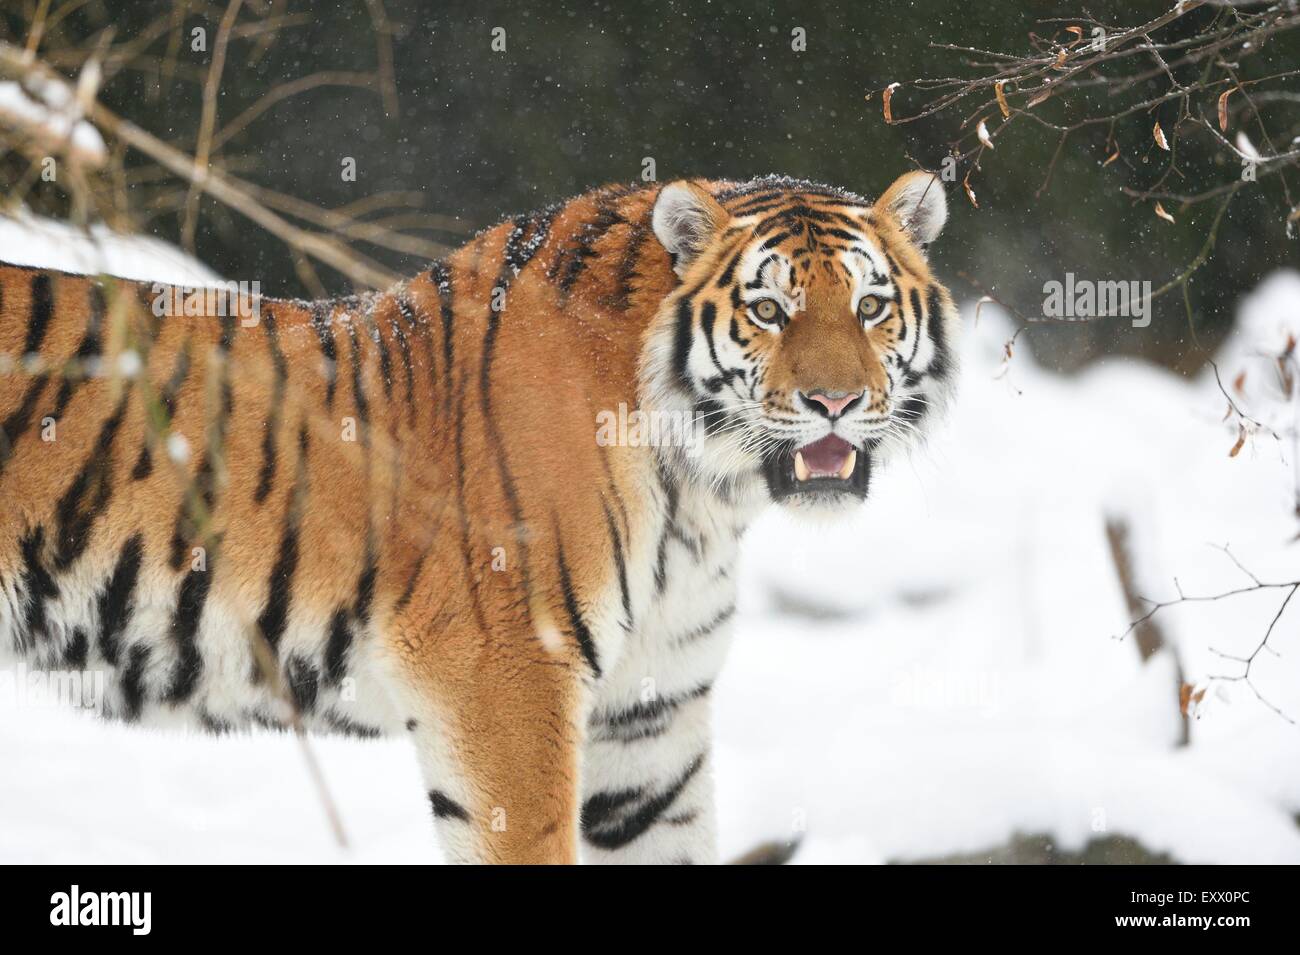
point(685, 218)
point(917, 201)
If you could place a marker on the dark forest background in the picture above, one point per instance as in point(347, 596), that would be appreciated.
point(585, 91)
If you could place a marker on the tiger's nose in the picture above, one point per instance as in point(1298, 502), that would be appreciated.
point(832, 404)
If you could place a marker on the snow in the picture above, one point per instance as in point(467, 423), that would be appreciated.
point(48, 114)
point(931, 677)
point(26, 239)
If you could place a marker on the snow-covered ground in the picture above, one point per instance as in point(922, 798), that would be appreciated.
point(933, 677)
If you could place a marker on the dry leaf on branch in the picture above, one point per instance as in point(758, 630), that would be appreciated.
point(1002, 98)
point(1160, 211)
point(1159, 135)
point(982, 131)
point(1223, 108)
point(1189, 699)
point(886, 97)
point(1241, 442)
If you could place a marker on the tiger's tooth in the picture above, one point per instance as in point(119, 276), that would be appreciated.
point(850, 463)
point(800, 468)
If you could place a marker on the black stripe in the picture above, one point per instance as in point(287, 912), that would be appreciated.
point(279, 587)
point(114, 603)
point(748, 199)
point(89, 348)
point(227, 389)
point(408, 367)
point(133, 690)
point(365, 588)
point(759, 281)
point(708, 317)
point(912, 408)
point(40, 311)
point(37, 584)
point(16, 424)
point(682, 339)
point(760, 207)
point(941, 364)
point(280, 375)
point(440, 275)
point(918, 318)
point(38, 320)
point(606, 826)
point(75, 653)
point(303, 681)
point(645, 720)
point(322, 321)
point(385, 358)
point(358, 386)
point(341, 724)
point(670, 516)
point(520, 252)
point(444, 807)
point(627, 265)
point(834, 232)
point(185, 631)
point(336, 647)
point(577, 625)
point(589, 233)
point(620, 562)
point(704, 630)
point(275, 616)
point(409, 590)
point(729, 272)
point(93, 483)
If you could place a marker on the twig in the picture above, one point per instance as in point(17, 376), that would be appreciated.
point(203, 150)
point(1256, 585)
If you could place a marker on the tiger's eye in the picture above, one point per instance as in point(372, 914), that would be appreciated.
point(870, 308)
point(766, 310)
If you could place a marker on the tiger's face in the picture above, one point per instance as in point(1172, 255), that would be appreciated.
point(807, 334)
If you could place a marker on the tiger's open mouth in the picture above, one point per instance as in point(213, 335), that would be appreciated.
point(829, 466)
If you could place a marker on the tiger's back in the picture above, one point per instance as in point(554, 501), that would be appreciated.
point(271, 484)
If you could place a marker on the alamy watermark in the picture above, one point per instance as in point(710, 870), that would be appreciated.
point(31, 689)
point(242, 300)
point(133, 910)
point(1081, 299)
point(650, 429)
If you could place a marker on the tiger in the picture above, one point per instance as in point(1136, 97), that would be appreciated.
point(444, 512)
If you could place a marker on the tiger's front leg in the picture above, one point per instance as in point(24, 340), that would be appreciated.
point(648, 786)
point(647, 767)
point(497, 728)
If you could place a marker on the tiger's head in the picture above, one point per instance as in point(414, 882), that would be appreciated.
point(806, 335)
